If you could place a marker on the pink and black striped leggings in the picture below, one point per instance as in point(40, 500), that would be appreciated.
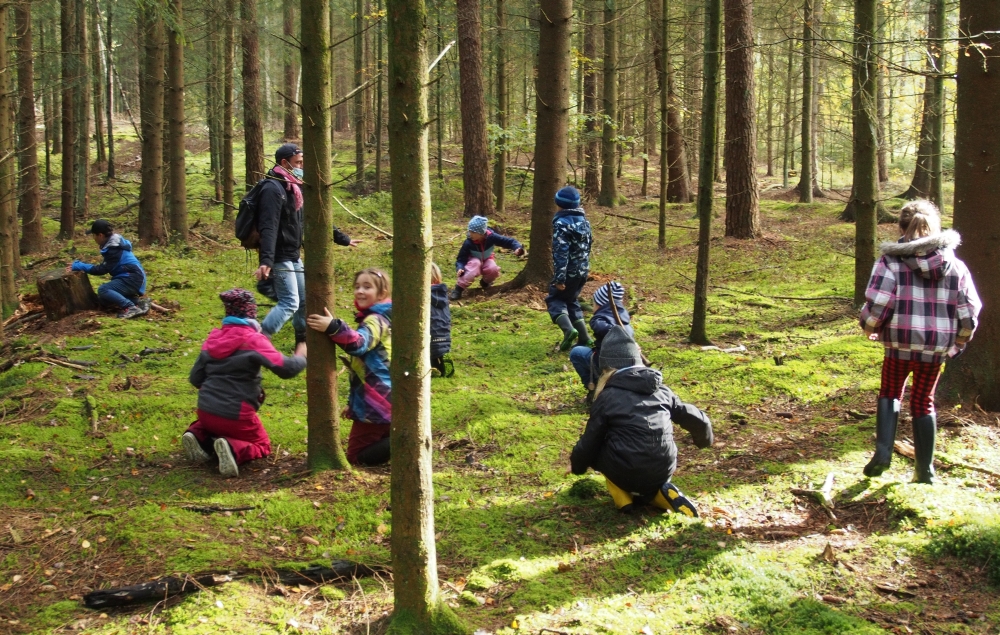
point(925, 378)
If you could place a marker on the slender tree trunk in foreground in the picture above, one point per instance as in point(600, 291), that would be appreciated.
point(30, 203)
point(323, 445)
point(359, 110)
point(418, 607)
point(109, 97)
point(97, 83)
point(67, 23)
point(151, 98)
point(552, 92)
point(9, 260)
point(475, 149)
point(500, 167)
point(592, 151)
point(937, 121)
point(920, 185)
point(228, 167)
point(975, 376)
point(609, 184)
point(742, 202)
point(709, 128)
point(865, 192)
point(290, 74)
point(175, 108)
point(661, 239)
point(808, 88)
point(253, 125)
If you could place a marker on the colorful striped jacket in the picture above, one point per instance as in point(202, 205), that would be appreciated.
point(370, 347)
point(921, 300)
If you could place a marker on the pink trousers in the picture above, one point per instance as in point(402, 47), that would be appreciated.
point(474, 267)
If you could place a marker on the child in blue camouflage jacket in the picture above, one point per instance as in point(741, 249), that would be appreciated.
point(571, 241)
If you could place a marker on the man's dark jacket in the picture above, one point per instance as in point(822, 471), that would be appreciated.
point(630, 435)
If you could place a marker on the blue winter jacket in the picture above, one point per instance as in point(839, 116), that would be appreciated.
point(440, 321)
point(571, 241)
point(483, 250)
point(119, 261)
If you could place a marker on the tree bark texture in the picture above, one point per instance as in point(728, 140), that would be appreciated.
point(81, 95)
point(865, 191)
point(97, 82)
point(228, 60)
point(608, 196)
point(937, 119)
point(475, 146)
point(109, 95)
point(69, 58)
point(661, 72)
point(552, 93)
point(323, 447)
point(975, 376)
point(175, 110)
point(359, 110)
point(253, 124)
point(679, 179)
point(592, 148)
point(742, 199)
point(9, 260)
point(500, 167)
point(151, 100)
point(65, 293)
point(417, 604)
point(808, 87)
point(291, 73)
point(709, 128)
point(30, 200)
point(920, 185)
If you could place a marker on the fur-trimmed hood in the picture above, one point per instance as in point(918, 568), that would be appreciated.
point(929, 256)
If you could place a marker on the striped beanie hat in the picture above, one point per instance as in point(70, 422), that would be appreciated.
point(568, 197)
point(601, 295)
point(239, 303)
point(478, 224)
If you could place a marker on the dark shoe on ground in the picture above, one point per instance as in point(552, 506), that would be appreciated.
point(885, 435)
point(131, 312)
point(678, 502)
point(145, 304)
point(456, 293)
point(192, 449)
point(227, 462)
point(484, 284)
point(924, 431)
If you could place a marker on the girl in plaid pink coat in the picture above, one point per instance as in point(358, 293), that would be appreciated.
point(923, 306)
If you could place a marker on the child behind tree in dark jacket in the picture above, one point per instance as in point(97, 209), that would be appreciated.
point(128, 279)
point(630, 435)
point(227, 376)
point(608, 312)
point(475, 257)
point(440, 325)
point(571, 242)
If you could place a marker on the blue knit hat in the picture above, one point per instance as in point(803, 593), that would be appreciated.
point(601, 295)
point(568, 197)
point(478, 224)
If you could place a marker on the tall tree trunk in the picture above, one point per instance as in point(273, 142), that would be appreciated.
point(709, 127)
point(97, 77)
point(786, 159)
point(975, 376)
point(865, 191)
point(323, 444)
point(937, 118)
point(742, 199)
point(883, 158)
point(9, 261)
point(608, 196)
point(475, 149)
point(109, 94)
point(662, 27)
point(151, 98)
point(359, 79)
point(693, 75)
point(500, 167)
point(418, 607)
point(30, 201)
point(67, 35)
point(213, 95)
point(591, 175)
point(552, 91)
point(175, 108)
point(253, 125)
point(922, 182)
point(81, 95)
point(228, 61)
point(770, 110)
point(291, 73)
point(438, 93)
point(679, 181)
point(805, 175)
point(379, 98)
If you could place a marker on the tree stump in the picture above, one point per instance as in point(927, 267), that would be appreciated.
point(64, 293)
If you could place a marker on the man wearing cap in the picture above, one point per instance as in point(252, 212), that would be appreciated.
point(128, 278)
point(279, 222)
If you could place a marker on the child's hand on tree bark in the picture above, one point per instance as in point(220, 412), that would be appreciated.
point(321, 322)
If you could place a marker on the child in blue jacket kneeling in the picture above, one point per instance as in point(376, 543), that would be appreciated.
point(128, 278)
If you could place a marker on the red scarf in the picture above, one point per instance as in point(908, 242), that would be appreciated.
point(291, 183)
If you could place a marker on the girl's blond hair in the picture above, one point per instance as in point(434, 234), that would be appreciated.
point(380, 279)
point(919, 218)
point(435, 273)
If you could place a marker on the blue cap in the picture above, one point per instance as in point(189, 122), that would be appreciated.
point(478, 224)
point(568, 197)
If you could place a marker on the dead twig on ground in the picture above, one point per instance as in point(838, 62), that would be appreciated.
point(907, 450)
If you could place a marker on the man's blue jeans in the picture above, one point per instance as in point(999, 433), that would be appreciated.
point(290, 287)
point(117, 292)
point(580, 356)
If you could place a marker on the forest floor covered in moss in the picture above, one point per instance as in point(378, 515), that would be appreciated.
point(522, 546)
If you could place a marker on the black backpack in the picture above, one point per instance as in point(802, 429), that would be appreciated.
point(246, 217)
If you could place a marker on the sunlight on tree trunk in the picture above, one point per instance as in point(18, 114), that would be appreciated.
point(742, 202)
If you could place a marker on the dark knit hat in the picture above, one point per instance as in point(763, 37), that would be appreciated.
point(239, 303)
point(286, 151)
point(601, 295)
point(568, 197)
point(619, 350)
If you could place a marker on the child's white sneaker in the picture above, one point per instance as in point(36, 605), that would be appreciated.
point(192, 449)
point(227, 462)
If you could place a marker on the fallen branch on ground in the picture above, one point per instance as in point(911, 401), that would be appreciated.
point(823, 496)
point(646, 220)
point(59, 362)
point(375, 227)
point(217, 510)
point(907, 450)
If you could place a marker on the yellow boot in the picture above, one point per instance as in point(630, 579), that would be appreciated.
point(623, 500)
point(671, 499)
